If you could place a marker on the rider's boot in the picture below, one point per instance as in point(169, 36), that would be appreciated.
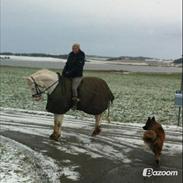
point(75, 101)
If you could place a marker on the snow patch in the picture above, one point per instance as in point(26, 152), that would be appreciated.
point(19, 163)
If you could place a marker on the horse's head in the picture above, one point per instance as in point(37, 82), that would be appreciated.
point(37, 87)
point(40, 82)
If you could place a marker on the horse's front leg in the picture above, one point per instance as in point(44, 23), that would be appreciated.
point(58, 120)
point(98, 119)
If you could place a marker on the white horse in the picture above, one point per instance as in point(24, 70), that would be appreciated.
point(45, 81)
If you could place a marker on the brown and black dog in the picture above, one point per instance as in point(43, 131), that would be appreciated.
point(154, 137)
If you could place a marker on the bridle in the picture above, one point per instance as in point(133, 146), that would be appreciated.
point(39, 92)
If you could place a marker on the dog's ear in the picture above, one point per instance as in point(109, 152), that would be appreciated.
point(149, 119)
point(153, 118)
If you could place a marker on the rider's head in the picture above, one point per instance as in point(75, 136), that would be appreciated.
point(76, 48)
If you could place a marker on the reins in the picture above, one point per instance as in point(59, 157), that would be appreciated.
point(37, 87)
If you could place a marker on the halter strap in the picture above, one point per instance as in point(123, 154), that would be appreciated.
point(38, 91)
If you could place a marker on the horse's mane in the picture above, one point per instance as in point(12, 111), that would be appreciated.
point(42, 72)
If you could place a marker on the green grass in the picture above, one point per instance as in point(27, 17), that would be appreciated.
point(137, 95)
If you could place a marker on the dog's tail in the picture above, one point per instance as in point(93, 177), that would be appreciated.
point(149, 136)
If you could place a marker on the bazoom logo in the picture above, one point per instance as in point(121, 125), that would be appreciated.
point(148, 172)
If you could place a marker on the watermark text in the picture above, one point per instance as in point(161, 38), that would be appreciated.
point(148, 172)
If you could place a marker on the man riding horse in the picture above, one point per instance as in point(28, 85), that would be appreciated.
point(74, 69)
point(91, 95)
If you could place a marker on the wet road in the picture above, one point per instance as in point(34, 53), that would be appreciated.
point(116, 155)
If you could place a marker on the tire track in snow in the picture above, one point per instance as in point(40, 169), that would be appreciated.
point(77, 153)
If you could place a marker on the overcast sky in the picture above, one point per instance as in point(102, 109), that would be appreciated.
point(102, 27)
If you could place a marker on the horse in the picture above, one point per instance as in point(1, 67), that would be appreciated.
point(94, 94)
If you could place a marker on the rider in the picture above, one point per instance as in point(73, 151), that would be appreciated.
point(74, 69)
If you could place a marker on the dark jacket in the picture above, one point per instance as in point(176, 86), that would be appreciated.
point(74, 65)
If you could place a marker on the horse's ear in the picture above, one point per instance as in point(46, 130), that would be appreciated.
point(28, 79)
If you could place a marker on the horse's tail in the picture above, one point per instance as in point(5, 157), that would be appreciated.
point(108, 111)
point(112, 98)
point(109, 105)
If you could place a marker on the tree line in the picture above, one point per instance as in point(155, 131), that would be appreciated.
point(64, 56)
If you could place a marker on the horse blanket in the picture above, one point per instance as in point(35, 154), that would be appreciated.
point(94, 94)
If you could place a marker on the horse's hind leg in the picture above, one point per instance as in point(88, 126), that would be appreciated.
point(98, 119)
point(58, 119)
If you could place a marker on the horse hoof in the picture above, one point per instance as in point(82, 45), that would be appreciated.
point(96, 131)
point(54, 136)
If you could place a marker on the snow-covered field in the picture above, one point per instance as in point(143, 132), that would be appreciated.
point(34, 59)
point(32, 157)
point(137, 95)
point(116, 155)
point(54, 63)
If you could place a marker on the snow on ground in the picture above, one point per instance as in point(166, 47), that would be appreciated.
point(21, 164)
point(115, 143)
point(35, 59)
point(38, 122)
point(147, 93)
point(15, 165)
point(54, 63)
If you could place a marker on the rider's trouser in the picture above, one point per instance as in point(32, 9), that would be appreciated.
point(75, 84)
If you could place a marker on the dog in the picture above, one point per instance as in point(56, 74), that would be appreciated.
point(154, 137)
